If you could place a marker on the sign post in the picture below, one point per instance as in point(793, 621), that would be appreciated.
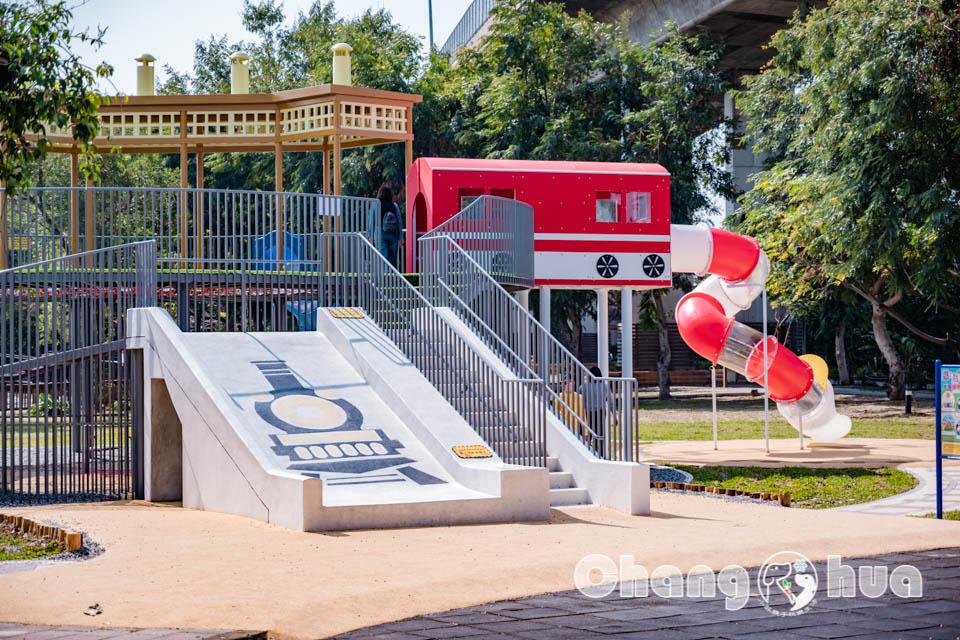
point(947, 420)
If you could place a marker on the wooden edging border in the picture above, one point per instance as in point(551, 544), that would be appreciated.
point(782, 498)
point(68, 539)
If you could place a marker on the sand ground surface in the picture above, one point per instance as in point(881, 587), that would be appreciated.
point(165, 566)
point(871, 453)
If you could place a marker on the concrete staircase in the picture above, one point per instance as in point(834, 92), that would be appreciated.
point(564, 491)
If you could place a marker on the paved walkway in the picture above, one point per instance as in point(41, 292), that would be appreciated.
point(868, 453)
point(920, 500)
point(36, 632)
point(569, 614)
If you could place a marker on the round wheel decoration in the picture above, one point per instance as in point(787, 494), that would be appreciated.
point(607, 266)
point(653, 266)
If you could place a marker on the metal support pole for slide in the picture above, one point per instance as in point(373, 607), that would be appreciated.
point(713, 389)
point(766, 376)
point(603, 333)
point(800, 424)
point(544, 356)
point(626, 332)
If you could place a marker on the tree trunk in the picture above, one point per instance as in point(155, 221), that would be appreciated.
point(840, 349)
point(663, 360)
point(889, 351)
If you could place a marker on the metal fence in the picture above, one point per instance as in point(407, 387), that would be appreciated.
point(51, 222)
point(600, 411)
point(473, 19)
point(507, 412)
point(211, 295)
point(497, 233)
point(69, 391)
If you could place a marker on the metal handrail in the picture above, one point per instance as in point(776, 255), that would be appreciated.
point(509, 413)
point(473, 18)
point(498, 234)
point(68, 388)
point(49, 222)
point(451, 265)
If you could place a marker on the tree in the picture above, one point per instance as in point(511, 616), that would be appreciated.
point(384, 56)
point(43, 83)
point(860, 111)
point(547, 85)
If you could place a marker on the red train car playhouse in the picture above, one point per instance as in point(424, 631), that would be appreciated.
point(596, 224)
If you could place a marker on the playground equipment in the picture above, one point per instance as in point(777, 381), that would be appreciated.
point(738, 269)
point(599, 225)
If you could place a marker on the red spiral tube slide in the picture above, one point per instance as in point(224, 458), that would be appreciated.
point(712, 333)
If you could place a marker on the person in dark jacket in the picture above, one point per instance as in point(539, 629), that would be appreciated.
point(390, 225)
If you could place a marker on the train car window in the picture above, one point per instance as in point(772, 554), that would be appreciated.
point(638, 206)
point(607, 205)
point(467, 196)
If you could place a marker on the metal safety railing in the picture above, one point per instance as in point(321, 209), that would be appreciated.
point(50, 222)
point(508, 412)
point(69, 390)
point(216, 295)
point(473, 19)
point(600, 411)
point(498, 235)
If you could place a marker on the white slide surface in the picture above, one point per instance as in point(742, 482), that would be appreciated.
point(285, 420)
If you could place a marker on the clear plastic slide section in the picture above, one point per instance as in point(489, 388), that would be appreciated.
point(705, 318)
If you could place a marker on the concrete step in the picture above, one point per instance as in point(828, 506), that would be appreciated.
point(553, 464)
point(569, 497)
point(561, 480)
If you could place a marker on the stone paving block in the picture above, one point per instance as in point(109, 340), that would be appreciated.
point(719, 629)
point(416, 624)
point(782, 623)
point(936, 633)
point(469, 618)
point(561, 633)
point(891, 624)
point(909, 609)
point(532, 613)
point(659, 611)
point(768, 635)
point(663, 634)
point(455, 631)
point(579, 621)
point(833, 631)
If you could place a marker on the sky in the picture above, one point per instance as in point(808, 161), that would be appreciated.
point(168, 29)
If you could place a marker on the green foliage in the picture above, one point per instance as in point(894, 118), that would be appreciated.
point(547, 85)
point(809, 488)
point(48, 406)
point(859, 110)
point(42, 82)
point(15, 547)
point(384, 57)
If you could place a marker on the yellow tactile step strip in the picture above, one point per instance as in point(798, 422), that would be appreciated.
point(71, 540)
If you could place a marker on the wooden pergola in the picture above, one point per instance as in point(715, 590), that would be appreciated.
point(326, 118)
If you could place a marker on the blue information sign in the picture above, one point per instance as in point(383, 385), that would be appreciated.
point(947, 391)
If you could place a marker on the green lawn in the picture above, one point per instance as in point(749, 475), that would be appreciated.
point(779, 428)
point(37, 434)
point(740, 416)
point(947, 515)
point(808, 488)
point(18, 548)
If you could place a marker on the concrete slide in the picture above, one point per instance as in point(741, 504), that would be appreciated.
point(315, 430)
